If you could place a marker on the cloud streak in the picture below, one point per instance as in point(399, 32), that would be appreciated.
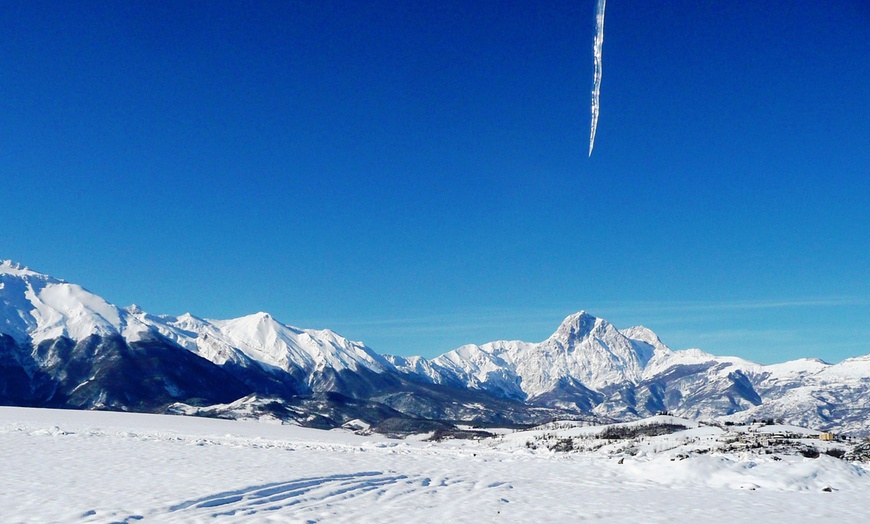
point(677, 307)
point(596, 79)
point(547, 318)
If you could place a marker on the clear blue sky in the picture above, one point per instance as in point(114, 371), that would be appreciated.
point(414, 174)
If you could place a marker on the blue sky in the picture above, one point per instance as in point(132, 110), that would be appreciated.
point(414, 174)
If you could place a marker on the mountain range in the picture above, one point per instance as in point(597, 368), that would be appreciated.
point(63, 346)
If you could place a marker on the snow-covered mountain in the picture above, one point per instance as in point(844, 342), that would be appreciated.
point(590, 366)
point(62, 345)
point(584, 349)
point(36, 307)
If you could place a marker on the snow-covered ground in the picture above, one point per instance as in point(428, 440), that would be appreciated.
point(83, 466)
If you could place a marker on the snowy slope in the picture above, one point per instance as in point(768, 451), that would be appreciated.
point(813, 393)
point(261, 338)
point(37, 307)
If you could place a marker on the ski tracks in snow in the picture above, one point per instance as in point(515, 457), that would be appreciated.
point(302, 495)
point(330, 498)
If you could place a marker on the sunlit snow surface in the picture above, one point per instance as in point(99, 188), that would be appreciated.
point(77, 466)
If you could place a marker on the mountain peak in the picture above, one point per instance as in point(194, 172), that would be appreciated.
point(9, 267)
point(38, 307)
point(578, 325)
point(134, 309)
point(10, 264)
point(641, 333)
point(578, 315)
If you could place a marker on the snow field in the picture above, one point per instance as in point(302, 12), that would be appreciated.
point(79, 466)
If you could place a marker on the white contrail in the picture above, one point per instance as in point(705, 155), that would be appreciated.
point(596, 80)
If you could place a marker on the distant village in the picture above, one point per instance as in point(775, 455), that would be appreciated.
point(684, 438)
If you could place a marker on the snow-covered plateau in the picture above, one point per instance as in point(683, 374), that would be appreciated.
point(97, 466)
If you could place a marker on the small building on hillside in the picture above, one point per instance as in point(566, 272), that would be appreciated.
point(826, 435)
